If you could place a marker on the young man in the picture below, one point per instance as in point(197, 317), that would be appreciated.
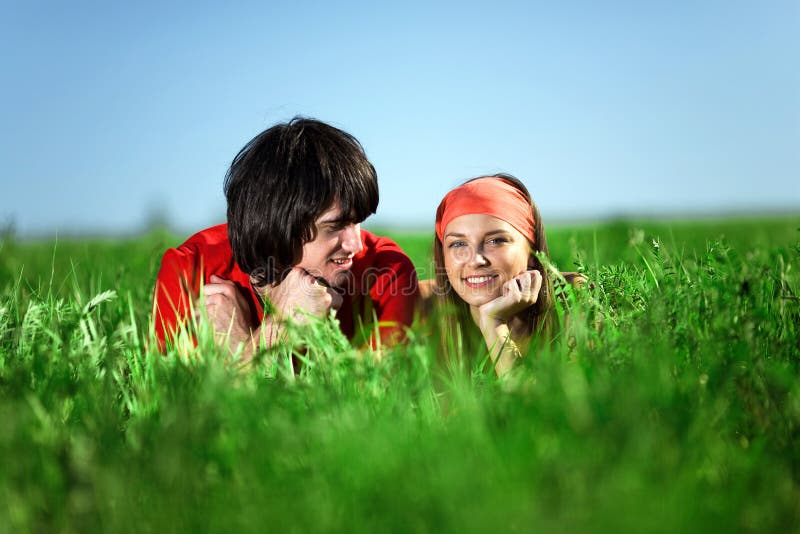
point(297, 194)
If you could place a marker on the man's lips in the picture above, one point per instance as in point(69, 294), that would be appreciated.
point(477, 281)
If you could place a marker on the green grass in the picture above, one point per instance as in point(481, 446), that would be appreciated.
point(681, 414)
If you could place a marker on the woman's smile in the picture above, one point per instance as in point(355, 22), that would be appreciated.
point(478, 281)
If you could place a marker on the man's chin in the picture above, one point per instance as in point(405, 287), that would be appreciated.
point(341, 279)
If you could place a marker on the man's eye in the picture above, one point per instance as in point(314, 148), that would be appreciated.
point(332, 228)
point(342, 225)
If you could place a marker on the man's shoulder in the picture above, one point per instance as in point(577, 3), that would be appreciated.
point(375, 245)
point(208, 248)
point(376, 242)
point(212, 238)
point(380, 249)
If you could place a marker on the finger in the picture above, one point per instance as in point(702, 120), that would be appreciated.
point(199, 308)
point(211, 312)
point(315, 286)
point(336, 299)
point(221, 300)
point(316, 277)
point(524, 282)
point(511, 289)
point(297, 277)
point(220, 289)
point(218, 280)
point(306, 286)
point(536, 284)
point(216, 298)
point(214, 302)
point(296, 271)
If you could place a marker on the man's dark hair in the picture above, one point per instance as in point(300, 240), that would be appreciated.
point(280, 183)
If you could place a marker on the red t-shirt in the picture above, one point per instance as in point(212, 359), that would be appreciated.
point(383, 281)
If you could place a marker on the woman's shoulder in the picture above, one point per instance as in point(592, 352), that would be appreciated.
point(427, 288)
point(576, 280)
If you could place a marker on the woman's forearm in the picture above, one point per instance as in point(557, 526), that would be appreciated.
point(502, 349)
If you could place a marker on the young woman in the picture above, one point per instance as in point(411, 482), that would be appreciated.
point(488, 275)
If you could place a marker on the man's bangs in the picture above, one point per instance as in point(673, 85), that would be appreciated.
point(359, 198)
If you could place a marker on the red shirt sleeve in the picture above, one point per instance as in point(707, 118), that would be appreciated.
point(177, 283)
point(394, 293)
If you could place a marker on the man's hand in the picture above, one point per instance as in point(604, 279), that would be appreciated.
point(298, 295)
point(301, 293)
point(229, 313)
point(519, 293)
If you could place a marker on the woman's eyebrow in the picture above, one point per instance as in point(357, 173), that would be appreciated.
point(495, 232)
point(491, 232)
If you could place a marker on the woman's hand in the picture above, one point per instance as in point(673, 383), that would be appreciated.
point(519, 293)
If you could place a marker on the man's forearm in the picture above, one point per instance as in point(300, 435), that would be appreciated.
point(270, 333)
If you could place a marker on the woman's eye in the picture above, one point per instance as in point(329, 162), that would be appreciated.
point(455, 244)
point(497, 241)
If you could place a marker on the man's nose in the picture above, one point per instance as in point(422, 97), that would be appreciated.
point(351, 239)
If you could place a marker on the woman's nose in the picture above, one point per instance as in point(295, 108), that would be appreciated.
point(478, 259)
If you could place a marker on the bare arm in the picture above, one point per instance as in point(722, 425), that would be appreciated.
point(496, 319)
point(296, 297)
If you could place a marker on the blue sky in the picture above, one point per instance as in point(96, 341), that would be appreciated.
point(111, 113)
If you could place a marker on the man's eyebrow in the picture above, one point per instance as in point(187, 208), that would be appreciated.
point(335, 222)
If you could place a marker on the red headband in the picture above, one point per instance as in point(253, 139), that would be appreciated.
point(487, 196)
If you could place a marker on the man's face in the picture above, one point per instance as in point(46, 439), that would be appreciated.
point(330, 254)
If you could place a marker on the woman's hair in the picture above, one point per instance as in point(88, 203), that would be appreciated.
point(280, 183)
point(454, 311)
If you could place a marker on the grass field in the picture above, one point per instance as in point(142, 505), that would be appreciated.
point(682, 413)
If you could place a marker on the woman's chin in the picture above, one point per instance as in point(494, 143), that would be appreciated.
point(476, 298)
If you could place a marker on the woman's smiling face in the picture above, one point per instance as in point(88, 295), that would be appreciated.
point(481, 253)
